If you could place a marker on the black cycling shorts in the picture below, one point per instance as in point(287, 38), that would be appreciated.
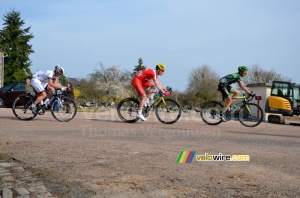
point(225, 90)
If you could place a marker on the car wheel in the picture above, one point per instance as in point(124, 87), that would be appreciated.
point(1, 102)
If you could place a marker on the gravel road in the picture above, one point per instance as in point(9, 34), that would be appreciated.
point(97, 155)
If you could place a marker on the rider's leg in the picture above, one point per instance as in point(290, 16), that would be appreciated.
point(40, 97)
point(50, 90)
point(151, 90)
point(226, 94)
point(40, 89)
point(224, 109)
point(229, 100)
point(137, 84)
point(227, 105)
point(141, 105)
point(235, 94)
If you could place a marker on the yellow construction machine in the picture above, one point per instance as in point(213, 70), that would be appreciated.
point(284, 100)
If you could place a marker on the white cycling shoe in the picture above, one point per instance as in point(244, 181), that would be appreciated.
point(141, 117)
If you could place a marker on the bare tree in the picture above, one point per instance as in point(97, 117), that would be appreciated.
point(202, 84)
point(257, 74)
point(113, 81)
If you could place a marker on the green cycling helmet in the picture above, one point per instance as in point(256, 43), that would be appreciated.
point(242, 69)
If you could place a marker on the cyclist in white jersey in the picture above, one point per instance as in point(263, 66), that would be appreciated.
point(46, 80)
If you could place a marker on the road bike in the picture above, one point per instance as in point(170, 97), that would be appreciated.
point(62, 108)
point(167, 110)
point(248, 114)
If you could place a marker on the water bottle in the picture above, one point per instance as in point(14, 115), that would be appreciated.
point(46, 101)
point(147, 103)
point(233, 108)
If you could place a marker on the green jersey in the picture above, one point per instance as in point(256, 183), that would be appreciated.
point(230, 79)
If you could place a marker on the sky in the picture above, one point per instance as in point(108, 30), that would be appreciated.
point(183, 35)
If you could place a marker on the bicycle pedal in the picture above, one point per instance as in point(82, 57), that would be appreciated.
point(40, 111)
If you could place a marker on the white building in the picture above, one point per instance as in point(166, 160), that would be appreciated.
point(264, 91)
point(2, 55)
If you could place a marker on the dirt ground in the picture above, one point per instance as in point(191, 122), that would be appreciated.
point(97, 155)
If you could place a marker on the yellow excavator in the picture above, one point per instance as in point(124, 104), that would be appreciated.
point(284, 100)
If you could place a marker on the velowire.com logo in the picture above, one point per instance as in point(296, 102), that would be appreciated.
point(184, 158)
point(188, 156)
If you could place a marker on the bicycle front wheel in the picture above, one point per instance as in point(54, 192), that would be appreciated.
point(20, 107)
point(63, 109)
point(168, 113)
point(210, 112)
point(127, 110)
point(250, 115)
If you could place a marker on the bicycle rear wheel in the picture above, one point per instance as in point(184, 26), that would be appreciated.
point(250, 115)
point(127, 110)
point(63, 109)
point(210, 112)
point(168, 113)
point(20, 107)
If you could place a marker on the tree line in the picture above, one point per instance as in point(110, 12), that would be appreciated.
point(112, 83)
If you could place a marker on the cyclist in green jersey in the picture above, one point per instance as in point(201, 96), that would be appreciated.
point(225, 88)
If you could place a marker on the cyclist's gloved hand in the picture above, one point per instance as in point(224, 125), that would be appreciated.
point(63, 88)
point(166, 93)
point(251, 94)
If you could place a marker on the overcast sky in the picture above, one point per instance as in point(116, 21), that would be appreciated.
point(183, 35)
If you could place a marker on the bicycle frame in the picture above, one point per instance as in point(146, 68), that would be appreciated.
point(55, 96)
point(245, 101)
point(244, 111)
point(158, 100)
point(167, 110)
point(62, 108)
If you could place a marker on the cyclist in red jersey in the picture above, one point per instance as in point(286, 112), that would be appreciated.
point(148, 78)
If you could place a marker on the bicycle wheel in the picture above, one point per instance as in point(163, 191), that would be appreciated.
point(168, 113)
point(210, 112)
point(63, 109)
point(20, 107)
point(127, 110)
point(250, 115)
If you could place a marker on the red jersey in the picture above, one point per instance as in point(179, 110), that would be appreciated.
point(146, 74)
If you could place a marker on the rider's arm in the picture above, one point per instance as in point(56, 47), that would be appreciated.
point(54, 84)
point(159, 85)
point(243, 87)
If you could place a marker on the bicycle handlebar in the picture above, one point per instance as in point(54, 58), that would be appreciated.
point(169, 89)
point(250, 96)
point(58, 92)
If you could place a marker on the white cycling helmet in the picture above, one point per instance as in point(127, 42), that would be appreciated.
point(59, 69)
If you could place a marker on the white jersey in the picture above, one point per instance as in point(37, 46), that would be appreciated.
point(43, 76)
point(40, 79)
